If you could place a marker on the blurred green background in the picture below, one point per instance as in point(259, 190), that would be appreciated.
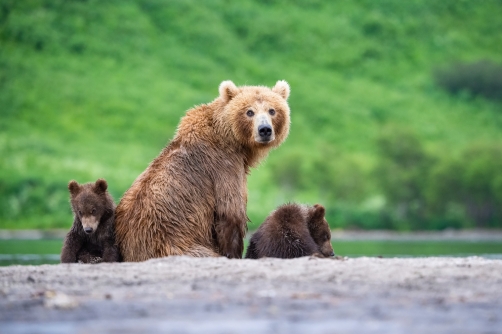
point(396, 105)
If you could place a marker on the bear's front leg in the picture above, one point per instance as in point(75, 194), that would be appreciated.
point(72, 244)
point(230, 236)
point(230, 219)
point(111, 252)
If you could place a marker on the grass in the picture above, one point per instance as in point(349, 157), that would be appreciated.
point(95, 89)
point(415, 248)
point(42, 247)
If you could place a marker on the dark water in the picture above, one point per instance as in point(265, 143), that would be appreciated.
point(25, 252)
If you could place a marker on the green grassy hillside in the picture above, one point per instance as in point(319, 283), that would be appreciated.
point(92, 89)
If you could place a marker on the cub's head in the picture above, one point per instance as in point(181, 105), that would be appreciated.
point(319, 230)
point(257, 117)
point(89, 203)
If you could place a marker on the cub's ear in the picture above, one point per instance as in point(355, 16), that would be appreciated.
point(100, 186)
point(73, 187)
point(318, 213)
point(282, 88)
point(228, 90)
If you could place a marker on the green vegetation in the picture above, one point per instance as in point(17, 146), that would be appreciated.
point(92, 89)
point(417, 248)
point(43, 247)
point(482, 78)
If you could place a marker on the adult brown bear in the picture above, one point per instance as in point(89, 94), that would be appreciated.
point(191, 200)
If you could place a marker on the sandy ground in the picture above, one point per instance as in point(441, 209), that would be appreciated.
point(305, 295)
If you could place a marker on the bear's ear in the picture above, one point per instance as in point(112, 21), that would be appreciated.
point(282, 88)
point(73, 187)
point(318, 212)
point(100, 186)
point(228, 90)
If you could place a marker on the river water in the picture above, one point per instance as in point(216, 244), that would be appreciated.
point(46, 251)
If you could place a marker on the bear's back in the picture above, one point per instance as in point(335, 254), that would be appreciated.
point(283, 234)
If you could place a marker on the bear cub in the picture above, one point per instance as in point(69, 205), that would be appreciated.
point(292, 230)
point(91, 239)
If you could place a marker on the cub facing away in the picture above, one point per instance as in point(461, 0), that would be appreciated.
point(91, 239)
point(292, 230)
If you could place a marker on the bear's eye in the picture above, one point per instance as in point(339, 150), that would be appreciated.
point(250, 113)
point(93, 211)
point(271, 112)
point(80, 212)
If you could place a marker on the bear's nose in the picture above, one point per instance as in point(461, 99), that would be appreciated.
point(88, 230)
point(332, 254)
point(265, 131)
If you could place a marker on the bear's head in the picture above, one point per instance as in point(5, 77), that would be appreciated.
point(89, 203)
point(319, 230)
point(256, 117)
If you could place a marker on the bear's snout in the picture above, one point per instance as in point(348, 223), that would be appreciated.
point(89, 224)
point(265, 131)
point(327, 249)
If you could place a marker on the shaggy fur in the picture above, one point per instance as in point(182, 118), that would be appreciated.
point(290, 231)
point(191, 200)
point(93, 208)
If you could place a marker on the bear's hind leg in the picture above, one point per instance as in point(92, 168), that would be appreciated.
point(201, 251)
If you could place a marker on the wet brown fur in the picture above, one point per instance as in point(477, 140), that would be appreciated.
point(191, 200)
point(91, 202)
point(292, 230)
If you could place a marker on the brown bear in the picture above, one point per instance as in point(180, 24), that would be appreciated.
point(292, 230)
point(191, 200)
point(91, 239)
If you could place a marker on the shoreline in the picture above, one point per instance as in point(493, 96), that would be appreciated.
point(215, 295)
point(337, 234)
